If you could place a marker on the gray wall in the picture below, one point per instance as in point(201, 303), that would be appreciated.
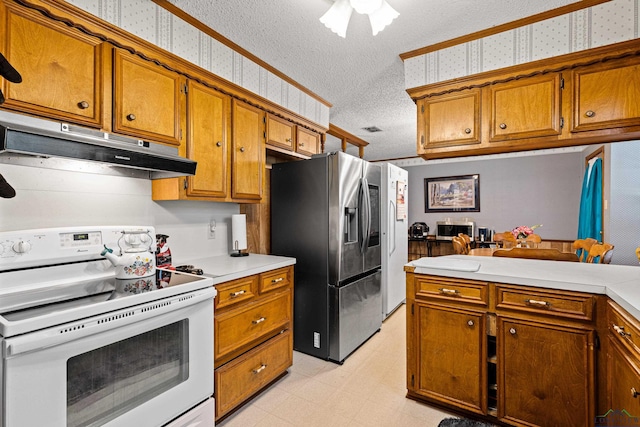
point(537, 189)
point(624, 201)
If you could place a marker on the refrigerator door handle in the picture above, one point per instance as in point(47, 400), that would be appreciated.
point(366, 211)
point(392, 227)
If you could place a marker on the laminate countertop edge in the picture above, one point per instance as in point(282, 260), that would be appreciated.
point(621, 283)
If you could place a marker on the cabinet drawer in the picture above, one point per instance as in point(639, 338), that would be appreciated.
point(247, 324)
point(572, 305)
point(242, 377)
point(624, 328)
point(276, 279)
point(441, 288)
point(236, 291)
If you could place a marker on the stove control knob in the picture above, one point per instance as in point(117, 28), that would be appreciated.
point(21, 246)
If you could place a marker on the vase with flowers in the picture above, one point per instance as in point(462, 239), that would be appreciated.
point(522, 232)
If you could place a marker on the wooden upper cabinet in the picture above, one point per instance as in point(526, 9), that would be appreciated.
point(280, 132)
point(526, 108)
point(147, 100)
point(247, 151)
point(607, 95)
point(307, 142)
point(207, 141)
point(452, 119)
point(61, 68)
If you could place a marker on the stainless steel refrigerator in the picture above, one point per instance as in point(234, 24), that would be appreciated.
point(325, 212)
point(395, 244)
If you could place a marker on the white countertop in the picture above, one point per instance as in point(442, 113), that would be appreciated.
point(223, 268)
point(620, 282)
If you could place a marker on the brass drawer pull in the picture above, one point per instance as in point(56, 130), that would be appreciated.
point(288, 140)
point(536, 302)
point(260, 369)
point(634, 392)
point(260, 320)
point(301, 144)
point(278, 280)
point(449, 291)
point(620, 330)
point(237, 294)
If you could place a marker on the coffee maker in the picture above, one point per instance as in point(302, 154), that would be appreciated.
point(484, 234)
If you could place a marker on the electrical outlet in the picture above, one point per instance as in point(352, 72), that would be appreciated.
point(212, 229)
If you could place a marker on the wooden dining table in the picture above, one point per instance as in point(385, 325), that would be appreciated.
point(532, 253)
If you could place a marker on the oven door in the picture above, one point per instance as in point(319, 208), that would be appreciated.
point(144, 365)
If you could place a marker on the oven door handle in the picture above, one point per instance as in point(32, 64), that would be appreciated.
point(62, 334)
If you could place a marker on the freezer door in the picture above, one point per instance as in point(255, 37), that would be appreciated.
point(372, 249)
point(345, 217)
point(354, 315)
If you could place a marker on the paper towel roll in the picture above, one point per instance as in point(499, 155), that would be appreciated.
point(239, 232)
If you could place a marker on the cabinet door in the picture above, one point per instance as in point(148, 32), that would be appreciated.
point(60, 68)
point(545, 374)
point(147, 99)
point(623, 374)
point(207, 141)
point(452, 357)
point(247, 155)
point(308, 142)
point(607, 95)
point(526, 108)
point(280, 132)
point(452, 119)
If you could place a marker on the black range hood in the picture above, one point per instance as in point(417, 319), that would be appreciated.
point(44, 138)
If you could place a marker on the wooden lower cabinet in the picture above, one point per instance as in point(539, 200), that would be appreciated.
point(253, 344)
point(545, 373)
point(451, 352)
point(241, 378)
point(508, 354)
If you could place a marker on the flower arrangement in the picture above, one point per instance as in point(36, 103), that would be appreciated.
point(521, 232)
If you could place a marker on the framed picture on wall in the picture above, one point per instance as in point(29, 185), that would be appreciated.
point(452, 194)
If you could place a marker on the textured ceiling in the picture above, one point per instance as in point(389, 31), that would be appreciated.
point(362, 76)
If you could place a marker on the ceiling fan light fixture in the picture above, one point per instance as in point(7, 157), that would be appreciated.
point(382, 17)
point(337, 17)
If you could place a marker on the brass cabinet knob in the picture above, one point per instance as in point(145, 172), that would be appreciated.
point(503, 125)
point(470, 322)
point(83, 105)
point(467, 131)
point(512, 331)
point(242, 149)
point(590, 113)
point(301, 144)
point(131, 117)
point(634, 392)
point(288, 139)
point(218, 144)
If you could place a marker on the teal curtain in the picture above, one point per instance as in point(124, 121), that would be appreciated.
point(590, 220)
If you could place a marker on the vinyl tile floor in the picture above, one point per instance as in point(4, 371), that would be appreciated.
point(367, 390)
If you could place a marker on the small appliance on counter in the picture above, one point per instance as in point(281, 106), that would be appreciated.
point(484, 234)
point(418, 230)
point(446, 230)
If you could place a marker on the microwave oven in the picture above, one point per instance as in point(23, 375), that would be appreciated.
point(445, 230)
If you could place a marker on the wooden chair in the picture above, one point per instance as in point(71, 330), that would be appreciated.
point(505, 240)
point(603, 252)
point(533, 240)
point(638, 253)
point(581, 247)
point(459, 246)
point(467, 241)
point(547, 254)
